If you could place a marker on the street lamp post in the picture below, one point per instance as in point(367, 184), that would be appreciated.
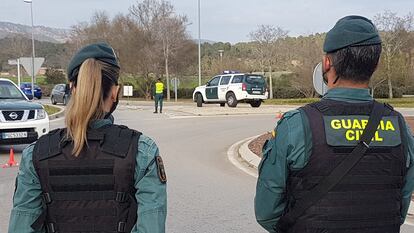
point(199, 44)
point(221, 51)
point(33, 45)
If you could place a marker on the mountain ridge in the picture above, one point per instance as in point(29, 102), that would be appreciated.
point(41, 33)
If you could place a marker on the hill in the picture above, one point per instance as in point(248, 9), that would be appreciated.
point(42, 33)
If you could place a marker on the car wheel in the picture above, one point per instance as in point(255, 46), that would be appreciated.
point(222, 104)
point(40, 97)
point(52, 99)
point(255, 103)
point(199, 100)
point(65, 101)
point(231, 100)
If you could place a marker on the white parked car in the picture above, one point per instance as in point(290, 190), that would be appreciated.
point(21, 121)
point(232, 89)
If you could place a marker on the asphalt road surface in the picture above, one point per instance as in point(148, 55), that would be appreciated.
point(206, 193)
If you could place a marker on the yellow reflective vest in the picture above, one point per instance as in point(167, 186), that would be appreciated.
point(159, 88)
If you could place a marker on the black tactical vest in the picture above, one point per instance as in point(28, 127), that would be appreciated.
point(368, 199)
point(93, 192)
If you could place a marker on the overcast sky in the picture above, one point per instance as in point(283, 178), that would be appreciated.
point(222, 20)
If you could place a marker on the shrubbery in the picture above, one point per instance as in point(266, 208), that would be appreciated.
point(54, 76)
point(286, 93)
point(382, 92)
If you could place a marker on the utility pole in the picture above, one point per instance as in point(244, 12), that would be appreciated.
point(33, 45)
point(199, 44)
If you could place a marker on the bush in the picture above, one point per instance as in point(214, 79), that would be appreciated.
point(286, 93)
point(408, 90)
point(54, 76)
point(185, 93)
point(382, 92)
point(46, 89)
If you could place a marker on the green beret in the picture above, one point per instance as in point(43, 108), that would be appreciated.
point(99, 51)
point(351, 31)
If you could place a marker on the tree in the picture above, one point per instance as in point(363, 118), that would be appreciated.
point(167, 29)
point(266, 39)
point(394, 34)
point(308, 53)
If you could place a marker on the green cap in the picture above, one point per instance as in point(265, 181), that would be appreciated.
point(99, 51)
point(351, 31)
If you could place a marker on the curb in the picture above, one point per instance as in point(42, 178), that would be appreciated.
point(239, 157)
point(59, 114)
point(247, 155)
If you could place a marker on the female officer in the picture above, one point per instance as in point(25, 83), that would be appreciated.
point(93, 175)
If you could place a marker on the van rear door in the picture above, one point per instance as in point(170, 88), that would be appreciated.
point(255, 84)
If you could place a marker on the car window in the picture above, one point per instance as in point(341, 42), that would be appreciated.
point(62, 88)
point(237, 79)
point(255, 79)
point(9, 91)
point(225, 80)
point(215, 81)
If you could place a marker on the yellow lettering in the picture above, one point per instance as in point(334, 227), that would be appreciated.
point(350, 135)
point(336, 124)
point(346, 124)
point(377, 137)
point(359, 134)
point(382, 125)
point(389, 126)
point(364, 123)
point(356, 124)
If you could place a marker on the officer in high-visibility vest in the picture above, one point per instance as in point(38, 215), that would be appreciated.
point(158, 95)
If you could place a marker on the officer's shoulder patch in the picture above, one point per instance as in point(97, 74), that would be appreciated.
point(287, 115)
point(274, 132)
point(161, 169)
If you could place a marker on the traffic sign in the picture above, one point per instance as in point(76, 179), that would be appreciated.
point(175, 81)
point(128, 91)
point(13, 62)
point(27, 64)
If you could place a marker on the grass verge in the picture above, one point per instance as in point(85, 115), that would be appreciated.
point(51, 110)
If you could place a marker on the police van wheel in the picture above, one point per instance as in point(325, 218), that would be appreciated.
point(255, 103)
point(199, 100)
point(222, 104)
point(52, 99)
point(231, 100)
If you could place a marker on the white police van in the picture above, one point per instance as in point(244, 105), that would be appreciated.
point(21, 121)
point(232, 88)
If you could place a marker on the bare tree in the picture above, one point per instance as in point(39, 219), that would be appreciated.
point(394, 30)
point(159, 20)
point(266, 38)
point(308, 52)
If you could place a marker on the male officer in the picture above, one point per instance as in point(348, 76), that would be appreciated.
point(158, 94)
point(313, 143)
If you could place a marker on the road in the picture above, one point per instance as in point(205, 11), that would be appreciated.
point(206, 193)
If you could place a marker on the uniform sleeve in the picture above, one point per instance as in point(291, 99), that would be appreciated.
point(408, 187)
point(280, 154)
point(27, 201)
point(151, 192)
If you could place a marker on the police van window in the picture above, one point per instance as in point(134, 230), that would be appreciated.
point(255, 79)
point(237, 79)
point(225, 80)
point(215, 81)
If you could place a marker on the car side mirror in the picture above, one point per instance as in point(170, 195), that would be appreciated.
point(208, 84)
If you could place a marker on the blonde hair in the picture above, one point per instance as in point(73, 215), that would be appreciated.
point(87, 102)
